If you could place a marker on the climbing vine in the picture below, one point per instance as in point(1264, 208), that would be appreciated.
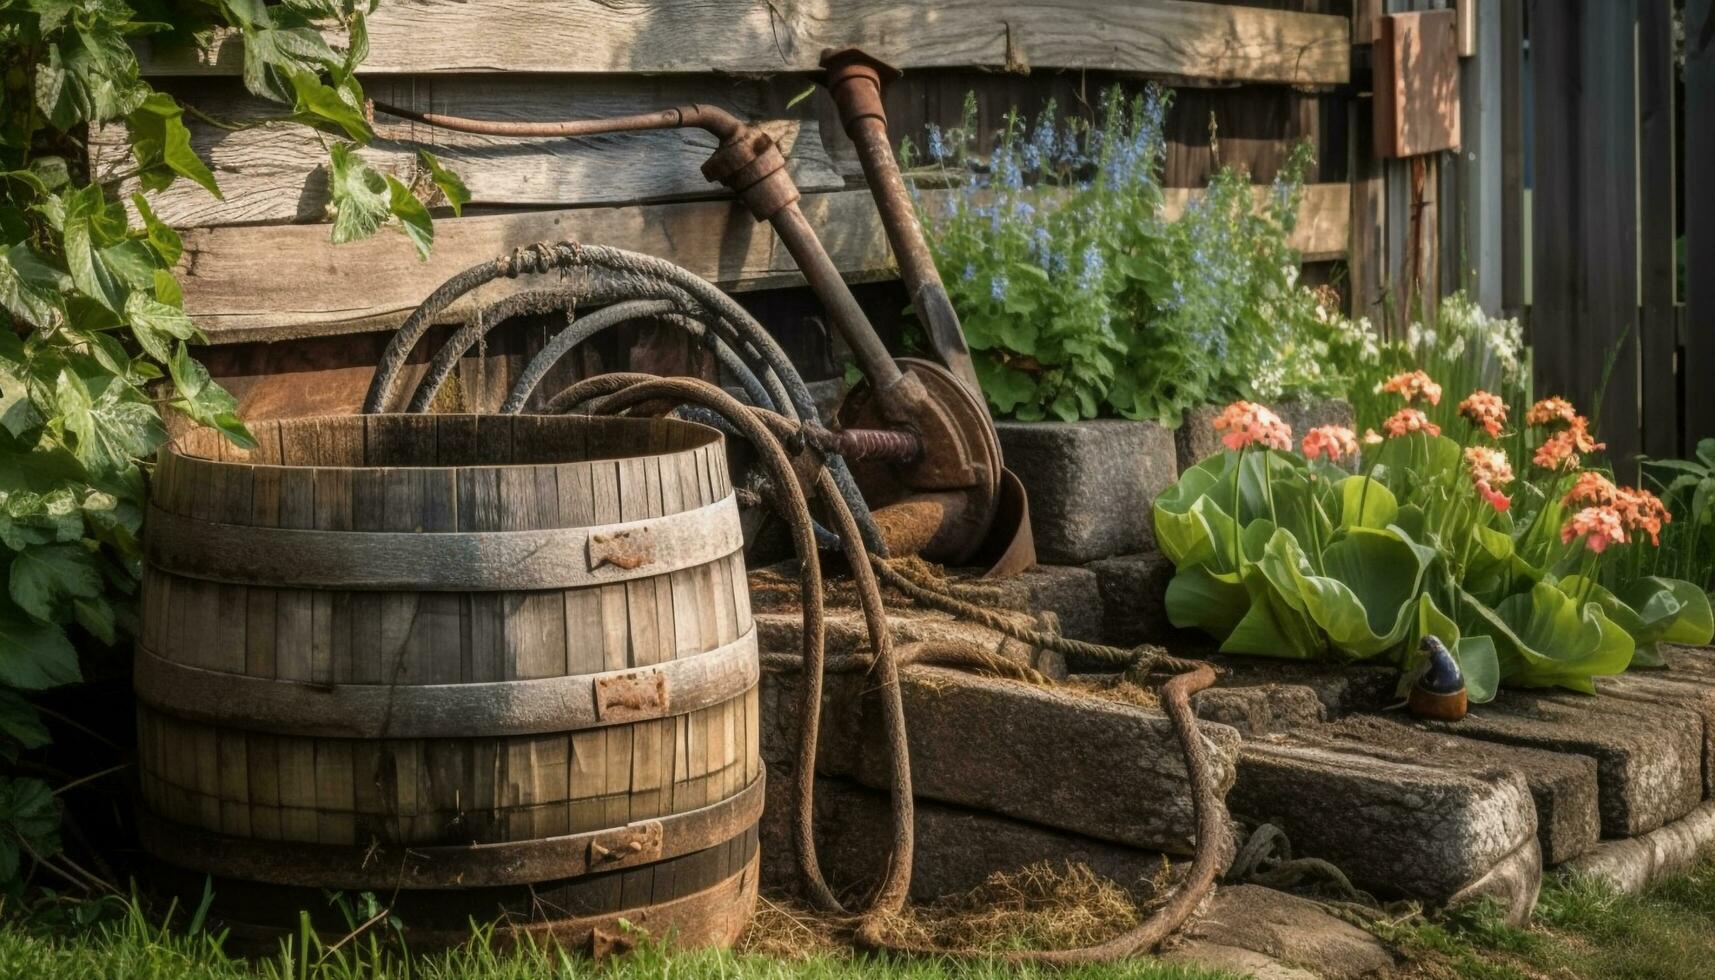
point(95, 344)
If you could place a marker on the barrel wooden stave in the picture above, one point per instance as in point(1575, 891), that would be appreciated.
point(506, 474)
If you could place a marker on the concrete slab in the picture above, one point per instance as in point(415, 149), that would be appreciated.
point(1678, 688)
point(1404, 829)
point(1649, 758)
point(1262, 709)
point(1563, 786)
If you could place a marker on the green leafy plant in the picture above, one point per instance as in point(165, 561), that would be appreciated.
point(94, 338)
point(1080, 297)
point(1292, 555)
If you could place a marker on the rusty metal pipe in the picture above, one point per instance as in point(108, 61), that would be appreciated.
point(750, 164)
point(856, 82)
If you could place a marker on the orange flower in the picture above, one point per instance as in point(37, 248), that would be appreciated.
point(1549, 411)
point(1641, 510)
point(1485, 411)
point(1592, 489)
point(1579, 428)
point(1408, 420)
point(1413, 385)
point(1245, 424)
point(1333, 440)
point(1490, 469)
point(1488, 466)
point(1558, 452)
point(1598, 526)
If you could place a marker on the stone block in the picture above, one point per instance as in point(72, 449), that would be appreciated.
point(1405, 829)
point(1343, 689)
point(1050, 756)
point(1684, 690)
point(1133, 592)
point(1562, 785)
point(1197, 439)
point(1293, 936)
point(1261, 710)
point(1090, 483)
point(956, 849)
point(1632, 864)
point(1649, 758)
point(1070, 592)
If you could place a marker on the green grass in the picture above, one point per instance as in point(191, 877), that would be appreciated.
point(125, 944)
point(1580, 930)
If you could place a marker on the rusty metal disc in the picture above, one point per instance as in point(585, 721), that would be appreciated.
point(942, 504)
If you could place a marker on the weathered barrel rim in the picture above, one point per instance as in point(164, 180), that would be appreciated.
point(453, 867)
point(545, 705)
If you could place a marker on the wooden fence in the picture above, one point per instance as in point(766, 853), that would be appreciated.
point(298, 322)
point(1620, 139)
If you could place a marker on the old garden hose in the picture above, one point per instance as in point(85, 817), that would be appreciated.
point(772, 434)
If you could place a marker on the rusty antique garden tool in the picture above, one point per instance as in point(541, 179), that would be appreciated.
point(917, 432)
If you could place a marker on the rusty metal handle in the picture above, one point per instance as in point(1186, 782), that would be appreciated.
point(856, 81)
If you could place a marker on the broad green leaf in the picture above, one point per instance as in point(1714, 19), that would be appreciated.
point(162, 145)
point(44, 579)
point(1273, 626)
point(95, 614)
point(413, 217)
point(33, 655)
point(112, 425)
point(1214, 602)
point(452, 187)
point(1652, 611)
point(361, 200)
point(1365, 502)
point(31, 815)
point(1364, 599)
point(1544, 639)
point(89, 269)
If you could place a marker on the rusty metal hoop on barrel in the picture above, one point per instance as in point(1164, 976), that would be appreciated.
point(500, 667)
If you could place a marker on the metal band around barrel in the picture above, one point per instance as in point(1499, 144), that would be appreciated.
point(498, 708)
point(452, 561)
point(390, 866)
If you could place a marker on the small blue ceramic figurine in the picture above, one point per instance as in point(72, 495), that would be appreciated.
point(1440, 692)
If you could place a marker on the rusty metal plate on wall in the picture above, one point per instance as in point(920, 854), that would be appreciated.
point(1417, 83)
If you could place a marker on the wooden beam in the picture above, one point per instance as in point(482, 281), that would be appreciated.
point(278, 171)
point(1164, 37)
point(285, 281)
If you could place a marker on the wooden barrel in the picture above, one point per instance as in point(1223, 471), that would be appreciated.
point(501, 667)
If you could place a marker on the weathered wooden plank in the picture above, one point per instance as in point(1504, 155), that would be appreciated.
point(285, 282)
point(278, 171)
point(1658, 331)
point(1169, 37)
point(1699, 337)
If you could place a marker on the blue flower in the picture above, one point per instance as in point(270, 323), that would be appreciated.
point(970, 273)
point(937, 146)
point(1093, 265)
point(997, 287)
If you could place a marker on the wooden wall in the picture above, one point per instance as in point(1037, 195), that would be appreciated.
point(298, 322)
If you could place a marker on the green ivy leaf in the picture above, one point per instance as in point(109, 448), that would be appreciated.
point(33, 655)
point(361, 199)
point(30, 286)
point(112, 425)
point(204, 401)
point(45, 578)
point(162, 145)
point(156, 325)
point(162, 238)
point(452, 187)
point(31, 815)
point(20, 722)
point(315, 100)
point(413, 217)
